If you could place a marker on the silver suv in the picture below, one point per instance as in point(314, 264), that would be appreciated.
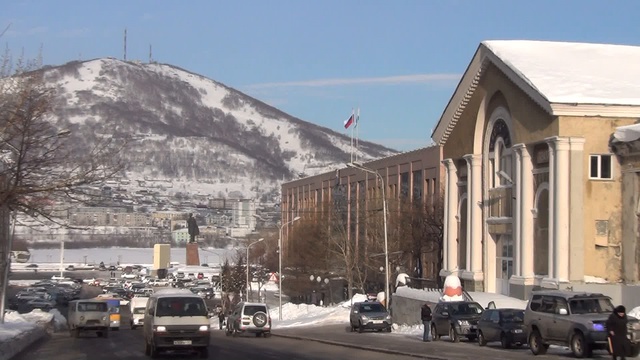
point(573, 319)
point(369, 315)
point(249, 317)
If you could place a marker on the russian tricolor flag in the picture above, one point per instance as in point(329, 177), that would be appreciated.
point(349, 121)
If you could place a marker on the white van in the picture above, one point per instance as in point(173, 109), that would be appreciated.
point(138, 307)
point(176, 319)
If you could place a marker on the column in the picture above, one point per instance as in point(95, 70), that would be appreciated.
point(517, 209)
point(552, 210)
point(561, 212)
point(451, 231)
point(526, 215)
point(474, 215)
point(576, 216)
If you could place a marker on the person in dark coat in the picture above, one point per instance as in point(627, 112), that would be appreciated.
point(426, 316)
point(617, 328)
point(221, 318)
point(192, 227)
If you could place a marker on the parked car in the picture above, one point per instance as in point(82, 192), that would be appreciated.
point(369, 315)
point(504, 325)
point(249, 317)
point(572, 319)
point(456, 319)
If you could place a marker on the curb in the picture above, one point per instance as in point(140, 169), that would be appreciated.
point(361, 347)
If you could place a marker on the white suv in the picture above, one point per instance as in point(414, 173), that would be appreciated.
point(249, 318)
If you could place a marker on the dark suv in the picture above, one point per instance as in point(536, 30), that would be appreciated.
point(456, 319)
point(573, 319)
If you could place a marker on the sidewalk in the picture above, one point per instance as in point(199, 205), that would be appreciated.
point(412, 345)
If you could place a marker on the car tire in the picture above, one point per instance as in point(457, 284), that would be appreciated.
point(434, 333)
point(360, 328)
point(481, 340)
point(504, 341)
point(99, 333)
point(105, 333)
point(579, 346)
point(453, 335)
point(536, 345)
point(204, 353)
point(260, 319)
point(76, 333)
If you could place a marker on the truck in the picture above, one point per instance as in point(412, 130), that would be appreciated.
point(88, 315)
point(138, 306)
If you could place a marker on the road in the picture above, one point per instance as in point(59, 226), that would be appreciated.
point(333, 342)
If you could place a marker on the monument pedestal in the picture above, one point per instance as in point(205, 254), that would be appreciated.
point(193, 258)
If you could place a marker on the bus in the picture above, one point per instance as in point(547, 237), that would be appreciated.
point(114, 310)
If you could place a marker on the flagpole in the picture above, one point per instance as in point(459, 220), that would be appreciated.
point(357, 129)
point(351, 150)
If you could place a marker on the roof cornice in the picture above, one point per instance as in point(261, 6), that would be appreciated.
point(623, 111)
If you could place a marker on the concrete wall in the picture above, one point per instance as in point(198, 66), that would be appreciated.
point(627, 295)
point(406, 311)
point(161, 256)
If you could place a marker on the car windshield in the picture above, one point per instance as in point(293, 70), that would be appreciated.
point(252, 309)
point(466, 309)
point(372, 308)
point(591, 306)
point(178, 306)
point(92, 306)
point(513, 316)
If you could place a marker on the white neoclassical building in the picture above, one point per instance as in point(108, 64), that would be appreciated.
point(533, 191)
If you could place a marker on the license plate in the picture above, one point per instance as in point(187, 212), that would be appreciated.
point(378, 321)
point(182, 342)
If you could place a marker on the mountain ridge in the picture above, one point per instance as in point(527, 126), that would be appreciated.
point(193, 129)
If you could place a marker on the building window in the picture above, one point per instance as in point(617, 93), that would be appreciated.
point(600, 167)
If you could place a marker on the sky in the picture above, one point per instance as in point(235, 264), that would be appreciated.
point(397, 61)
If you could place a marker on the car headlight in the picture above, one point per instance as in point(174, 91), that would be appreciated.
point(161, 328)
point(203, 328)
point(516, 331)
point(104, 318)
point(81, 318)
point(598, 327)
point(463, 322)
point(388, 317)
point(364, 318)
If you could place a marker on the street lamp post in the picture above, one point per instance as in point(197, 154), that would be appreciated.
point(384, 219)
point(247, 285)
point(280, 275)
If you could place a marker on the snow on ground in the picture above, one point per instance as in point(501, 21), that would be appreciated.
point(16, 324)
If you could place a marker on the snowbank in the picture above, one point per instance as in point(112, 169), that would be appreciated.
point(21, 330)
point(304, 315)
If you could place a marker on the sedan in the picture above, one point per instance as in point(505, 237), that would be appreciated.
point(504, 325)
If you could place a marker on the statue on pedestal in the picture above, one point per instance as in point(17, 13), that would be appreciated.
point(193, 228)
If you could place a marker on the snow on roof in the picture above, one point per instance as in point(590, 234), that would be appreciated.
point(627, 133)
point(574, 73)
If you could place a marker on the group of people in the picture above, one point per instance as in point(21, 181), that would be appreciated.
point(616, 326)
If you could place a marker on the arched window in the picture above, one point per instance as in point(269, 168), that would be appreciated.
point(500, 159)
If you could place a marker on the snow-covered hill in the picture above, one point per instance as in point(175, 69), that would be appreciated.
point(192, 133)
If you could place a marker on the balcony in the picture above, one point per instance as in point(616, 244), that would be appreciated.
point(499, 203)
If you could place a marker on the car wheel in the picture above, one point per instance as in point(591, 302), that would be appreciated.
point(76, 333)
point(106, 333)
point(453, 335)
point(504, 341)
point(536, 345)
point(481, 340)
point(260, 319)
point(99, 333)
point(579, 346)
point(434, 333)
point(635, 350)
point(360, 328)
point(204, 353)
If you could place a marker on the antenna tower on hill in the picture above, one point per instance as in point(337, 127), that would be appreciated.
point(125, 44)
point(150, 54)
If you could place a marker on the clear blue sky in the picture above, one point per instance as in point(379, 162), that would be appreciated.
point(399, 61)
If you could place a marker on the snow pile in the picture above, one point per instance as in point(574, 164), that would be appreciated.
point(303, 315)
point(356, 298)
point(16, 325)
point(594, 280)
point(37, 316)
point(418, 294)
point(59, 321)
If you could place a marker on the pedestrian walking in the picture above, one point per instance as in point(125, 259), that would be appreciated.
point(221, 318)
point(426, 316)
point(617, 328)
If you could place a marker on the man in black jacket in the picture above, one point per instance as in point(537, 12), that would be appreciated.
point(425, 315)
